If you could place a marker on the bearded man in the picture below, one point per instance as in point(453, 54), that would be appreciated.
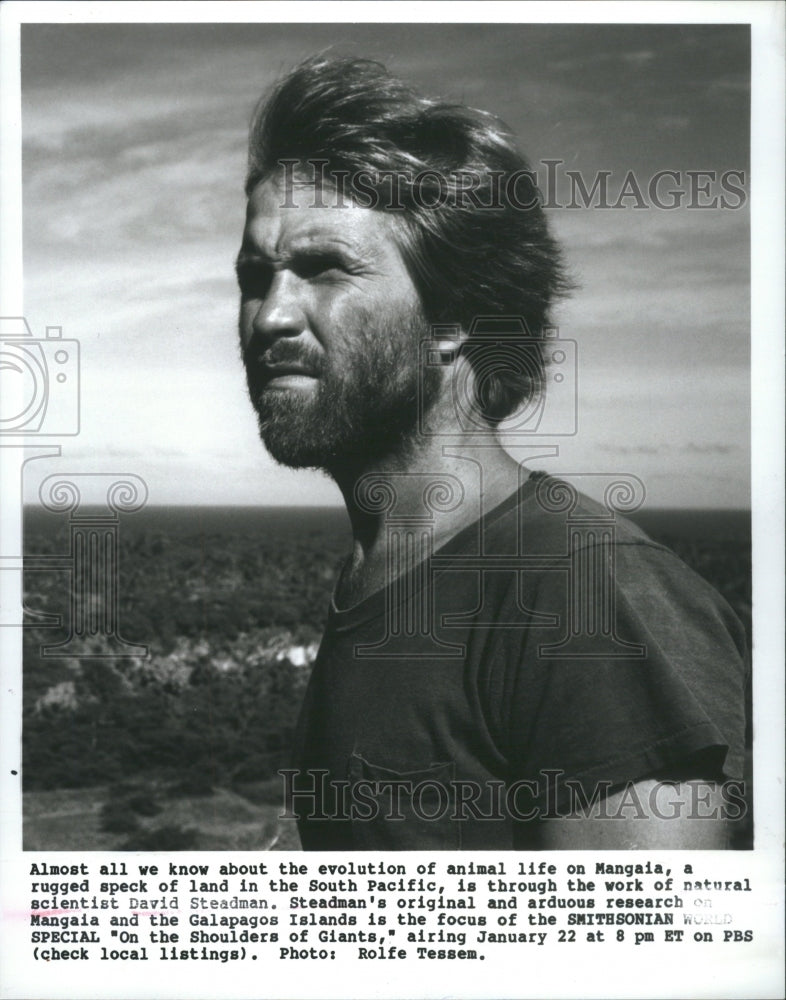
point(494, 673)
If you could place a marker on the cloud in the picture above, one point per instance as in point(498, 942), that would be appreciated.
point(639, 58)
point(133, 168)
point(630, 449)
point(733, 84)
point(709, 448)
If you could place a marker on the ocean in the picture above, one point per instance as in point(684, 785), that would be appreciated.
point(695, 524)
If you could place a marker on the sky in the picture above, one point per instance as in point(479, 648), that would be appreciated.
point(134, 145)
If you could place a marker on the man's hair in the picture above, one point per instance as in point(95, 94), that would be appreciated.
point(472, 230)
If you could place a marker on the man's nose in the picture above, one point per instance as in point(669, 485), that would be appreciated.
point(280, 313)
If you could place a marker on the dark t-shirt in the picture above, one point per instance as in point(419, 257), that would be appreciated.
point(540, 655)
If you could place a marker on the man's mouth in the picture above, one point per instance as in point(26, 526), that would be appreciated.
point(282, 368)
point(282, 375)
point(279, 370)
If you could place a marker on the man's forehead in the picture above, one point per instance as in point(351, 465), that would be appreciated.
point(300, 212)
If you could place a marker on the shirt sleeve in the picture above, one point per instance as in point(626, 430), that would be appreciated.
point(660, 685)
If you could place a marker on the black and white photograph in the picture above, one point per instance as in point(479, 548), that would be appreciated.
point(378, 397)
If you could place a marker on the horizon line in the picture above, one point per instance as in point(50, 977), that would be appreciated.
point(326, 506)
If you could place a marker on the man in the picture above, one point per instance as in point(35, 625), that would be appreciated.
point(506, 663)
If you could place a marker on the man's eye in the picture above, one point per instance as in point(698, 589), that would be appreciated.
point(254, 280)
point(314, 266)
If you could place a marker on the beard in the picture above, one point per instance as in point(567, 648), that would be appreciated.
point(365, 403)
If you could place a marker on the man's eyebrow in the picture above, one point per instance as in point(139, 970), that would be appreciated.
point(251, 256)
point(356, 251)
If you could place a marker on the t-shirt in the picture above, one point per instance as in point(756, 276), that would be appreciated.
point(545, 653)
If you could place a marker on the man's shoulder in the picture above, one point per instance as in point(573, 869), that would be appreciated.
point(549, 516)
point(551, 525)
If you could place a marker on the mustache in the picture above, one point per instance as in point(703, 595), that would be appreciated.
point(283, 352)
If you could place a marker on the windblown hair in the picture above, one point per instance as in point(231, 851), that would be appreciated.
point(488, 254)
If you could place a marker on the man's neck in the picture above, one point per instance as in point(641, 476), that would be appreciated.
point(431, 488)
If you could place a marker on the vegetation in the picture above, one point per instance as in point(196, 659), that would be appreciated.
point(231, 607)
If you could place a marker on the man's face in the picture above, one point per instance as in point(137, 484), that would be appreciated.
point(330, 324)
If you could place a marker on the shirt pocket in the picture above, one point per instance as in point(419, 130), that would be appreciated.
point(394, 810)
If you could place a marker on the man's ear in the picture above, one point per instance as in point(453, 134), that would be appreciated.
point(446, 341)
